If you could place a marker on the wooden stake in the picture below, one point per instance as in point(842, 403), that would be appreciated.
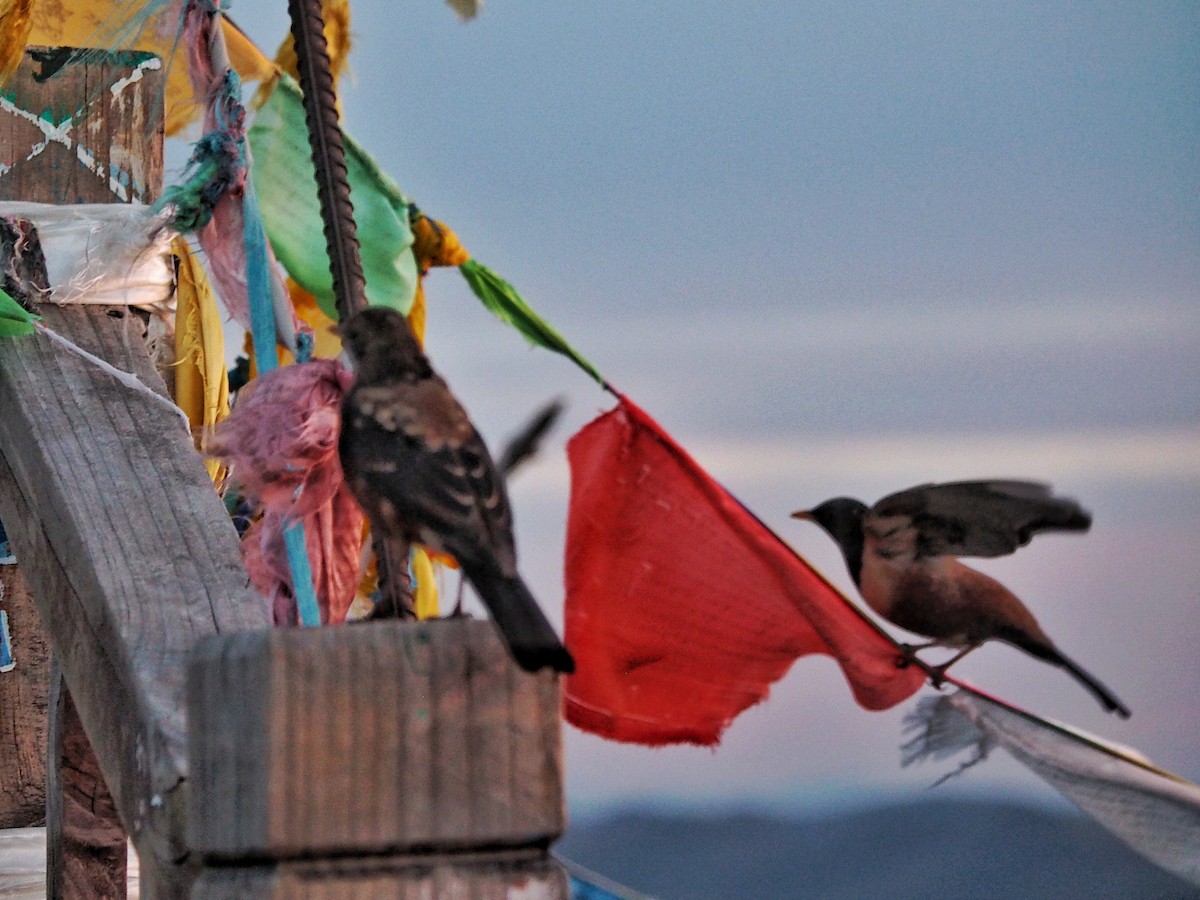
point(421, 745)
point(86, 852)
point(23, 708)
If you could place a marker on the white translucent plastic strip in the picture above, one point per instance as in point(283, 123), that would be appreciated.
point(115, 254)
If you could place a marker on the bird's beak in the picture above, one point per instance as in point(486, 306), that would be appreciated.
point(803, 514)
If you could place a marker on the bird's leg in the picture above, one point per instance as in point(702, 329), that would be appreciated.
point(395, 587)
point(457, 612)
point(937, 673)
point(908, 653)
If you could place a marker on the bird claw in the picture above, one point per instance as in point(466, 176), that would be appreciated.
point(908, 655)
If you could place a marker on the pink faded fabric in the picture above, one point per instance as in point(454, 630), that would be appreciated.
point(280, 443)
point(225, 126)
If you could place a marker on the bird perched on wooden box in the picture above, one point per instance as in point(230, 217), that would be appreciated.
point(902, 552)
point(421, 472)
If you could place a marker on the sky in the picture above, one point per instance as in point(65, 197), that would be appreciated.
point(836, 249)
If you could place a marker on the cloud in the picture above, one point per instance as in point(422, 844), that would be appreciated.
point(1127, 457)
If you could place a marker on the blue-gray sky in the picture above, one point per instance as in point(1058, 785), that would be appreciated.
point(838, 248)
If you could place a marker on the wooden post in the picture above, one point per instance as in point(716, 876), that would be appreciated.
point(23, 703)
point(86, 852)
point(390, 759)
point(84, 162)
point(128, 552)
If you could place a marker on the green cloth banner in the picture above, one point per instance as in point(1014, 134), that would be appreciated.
point(15, 320)
point(286, 185)
point(508, 306)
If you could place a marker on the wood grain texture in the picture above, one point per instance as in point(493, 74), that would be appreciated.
point(86, 845)
point(23, 703)
point(377, 738)
point(494, 876)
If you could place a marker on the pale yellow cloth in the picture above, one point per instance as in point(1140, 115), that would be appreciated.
point(201, 382)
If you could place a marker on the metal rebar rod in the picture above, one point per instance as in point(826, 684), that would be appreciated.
point(329, 160)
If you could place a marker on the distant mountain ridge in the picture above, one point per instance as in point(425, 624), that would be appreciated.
point(943, 849)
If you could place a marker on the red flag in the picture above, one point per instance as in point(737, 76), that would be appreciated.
point(682, 608)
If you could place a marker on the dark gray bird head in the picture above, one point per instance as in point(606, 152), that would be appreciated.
point(842, 517)
point(381, 345)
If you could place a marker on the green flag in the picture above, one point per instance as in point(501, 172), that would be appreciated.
point(508, 306)
point(286, 185)
point(15, 320)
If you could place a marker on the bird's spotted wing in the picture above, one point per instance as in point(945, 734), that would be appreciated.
point(413, 448)
point(981, 518)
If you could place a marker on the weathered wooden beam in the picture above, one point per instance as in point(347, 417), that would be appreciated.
point(127, 549)
point(130, 556)
point(420, 745)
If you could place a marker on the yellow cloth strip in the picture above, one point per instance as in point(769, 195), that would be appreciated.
point(16, 22)
point(201, 382)
point(426, 599)
point(434, 244)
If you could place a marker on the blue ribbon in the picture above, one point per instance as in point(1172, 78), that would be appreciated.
point(266, 356)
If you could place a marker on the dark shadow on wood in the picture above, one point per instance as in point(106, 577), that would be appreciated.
point(85, 843)
point(23, 702)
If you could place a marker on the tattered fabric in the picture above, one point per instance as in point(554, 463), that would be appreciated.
point(682, 608)
point(280, 443)
point(1154, 811)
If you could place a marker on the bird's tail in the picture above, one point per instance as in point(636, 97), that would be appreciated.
point(1051, 654)
point(530, 637)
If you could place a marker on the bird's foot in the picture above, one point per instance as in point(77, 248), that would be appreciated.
point(388, 606)
point(908, 655)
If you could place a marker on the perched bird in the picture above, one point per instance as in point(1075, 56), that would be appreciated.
point(421, 472)
point(902, 552)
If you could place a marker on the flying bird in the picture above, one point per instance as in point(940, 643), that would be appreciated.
point(421, 472)
point(902, 554)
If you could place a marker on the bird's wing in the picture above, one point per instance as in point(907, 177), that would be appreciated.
point(980, 518)
point(524, 444)
point(414, 446)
